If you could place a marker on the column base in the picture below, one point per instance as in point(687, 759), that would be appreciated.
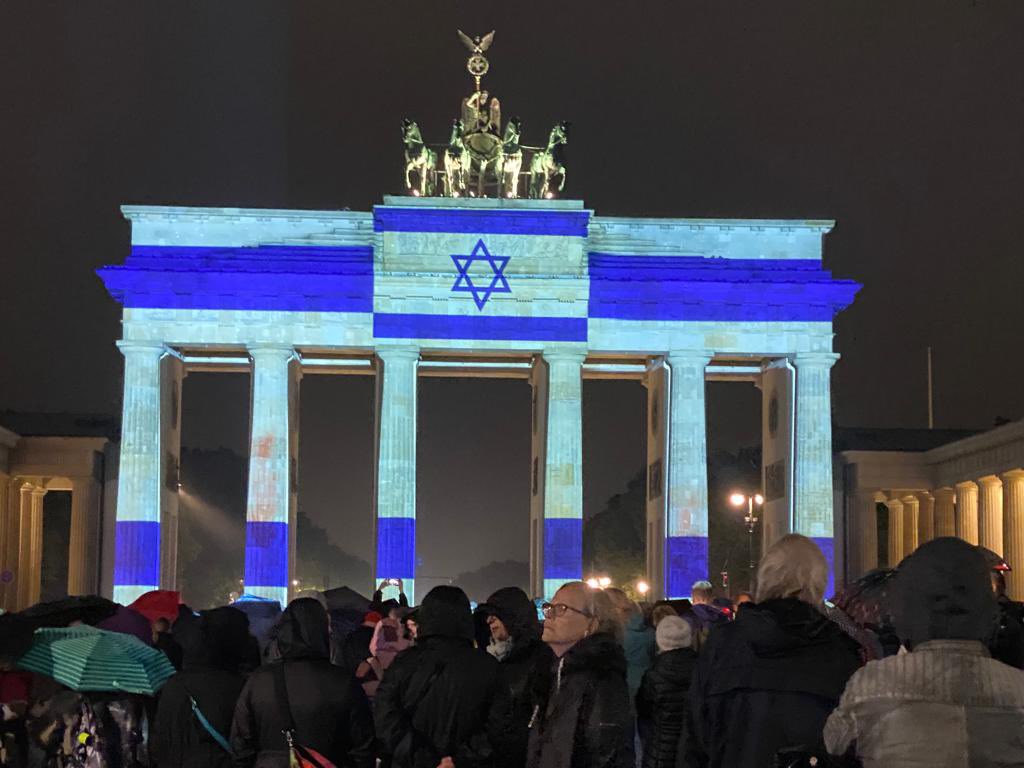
point(270, 593)
point(827, 545)
point(686, 562)
point(126, 594)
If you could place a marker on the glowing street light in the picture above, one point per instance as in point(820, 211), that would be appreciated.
point(738, 499)
point(604, 582)
point(643, 587)
point(593, 583)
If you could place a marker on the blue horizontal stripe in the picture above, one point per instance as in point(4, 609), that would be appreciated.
point(694, 288)
point(481, 222)
point(136, 553)
point(279, 278)
point(563, 548)
point(266, 554)
point(686, 562)
point(396, 547)
point(497, 328)
point(827, 545)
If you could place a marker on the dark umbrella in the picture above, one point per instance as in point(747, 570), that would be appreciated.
point(15, 636)
point(88, 609)
point(346, 599)
point(128, 622)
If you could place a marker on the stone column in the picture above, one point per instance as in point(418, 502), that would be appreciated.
point(911, 511)
point(813, 494)
point(83, 546)
point(563, 473)
point(8, 532)
point(925, 517)
point(865, 533)
point(895, 531)
point(538, 463)
point(1013, 531)
point(686, 530)
point(945, 512)
point(967, 512)
point(30, 554)
point(657, 383)
point(270, 511)
point(990, 514)
point(148, 472)
point(396, 466)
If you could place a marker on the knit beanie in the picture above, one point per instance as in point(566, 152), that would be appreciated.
point(673, 632)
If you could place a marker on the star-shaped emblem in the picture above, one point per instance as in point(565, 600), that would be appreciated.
point(464, 282)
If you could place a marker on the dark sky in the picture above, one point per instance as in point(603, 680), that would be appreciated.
point(902, 120)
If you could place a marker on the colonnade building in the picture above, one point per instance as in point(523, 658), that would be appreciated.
point(538, 289)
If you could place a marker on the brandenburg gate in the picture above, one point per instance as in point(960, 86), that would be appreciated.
point(465, 277)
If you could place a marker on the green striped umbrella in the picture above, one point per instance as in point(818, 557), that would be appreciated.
point(89, 659)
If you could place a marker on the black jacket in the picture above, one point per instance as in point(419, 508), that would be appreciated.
point(661, 706)
point(584, 718)
point(435, 697)
point(211, 646)
point(529, 657)
point(329, 709)
point(764, 682)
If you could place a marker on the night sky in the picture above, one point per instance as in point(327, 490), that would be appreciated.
point(904, 121)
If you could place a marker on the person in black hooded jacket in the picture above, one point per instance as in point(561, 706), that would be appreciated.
point(434, 700)
point(769, 680)
point(213, 646)
point(662, 698)
point(515, 642)
point(582, 718)
point(329, 710)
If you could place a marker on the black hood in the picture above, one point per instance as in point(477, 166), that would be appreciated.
point(445, 612)
point(944, 592)
point(303, 631)
point(215, 638)
point(776, 627)
point(600, 653)
point(517, 612)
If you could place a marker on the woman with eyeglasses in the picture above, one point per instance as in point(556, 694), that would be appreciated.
point(582, 718)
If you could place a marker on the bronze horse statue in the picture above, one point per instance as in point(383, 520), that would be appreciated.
point(418, 157)
point(545, 165)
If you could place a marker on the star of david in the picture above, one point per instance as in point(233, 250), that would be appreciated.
point(464, 282)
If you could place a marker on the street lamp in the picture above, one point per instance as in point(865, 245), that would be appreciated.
point(643, 588)
point(738, 500)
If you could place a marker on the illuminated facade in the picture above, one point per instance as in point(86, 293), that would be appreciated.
point(538, 289)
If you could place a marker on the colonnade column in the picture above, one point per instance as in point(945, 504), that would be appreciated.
point(967, 512)
point(30, 544)
point(563, 471)
point(865, 533)
point(990, 514)
point(657, 382)
point(911, 510)
point(147, 488)
point(925, 518)
point(945, 512)
point(895, 531)
point(686, 525)
point(813, 492)
point(273, 449)
point(83, 546)
point(396, 466)
point(1013, 532)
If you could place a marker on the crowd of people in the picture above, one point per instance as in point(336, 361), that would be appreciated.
point(926, 676)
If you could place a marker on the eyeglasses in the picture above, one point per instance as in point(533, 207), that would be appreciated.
point(553, 610)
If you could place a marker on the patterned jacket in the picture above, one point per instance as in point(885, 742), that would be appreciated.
point(946, 705)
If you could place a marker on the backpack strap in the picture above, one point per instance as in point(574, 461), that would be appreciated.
point(208, 726)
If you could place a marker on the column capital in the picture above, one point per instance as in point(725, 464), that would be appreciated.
point(270, 351)
point(815, 359)
point(565, 354)
point(688, 357)
point(988, 480)
point(39, 490)
point(945, 493)
point(127, 346)
point(1014, 475)
point(398, 352)
point(966, 485)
